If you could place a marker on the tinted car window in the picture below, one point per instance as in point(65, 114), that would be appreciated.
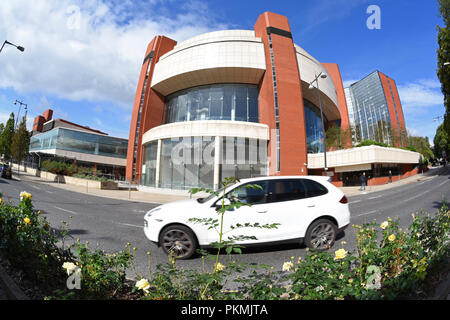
point(313, 188)
point(286, 190)
point(250, 195)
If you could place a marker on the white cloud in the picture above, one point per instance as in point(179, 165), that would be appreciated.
point(92, 54)
point(324, 11)
point(421, 93)
point(347, 83)
point(421, 100)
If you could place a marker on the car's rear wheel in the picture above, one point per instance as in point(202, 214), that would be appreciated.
point(178, 240)
point(321, 235)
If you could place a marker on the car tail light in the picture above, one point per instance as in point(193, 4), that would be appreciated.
point(343, 200)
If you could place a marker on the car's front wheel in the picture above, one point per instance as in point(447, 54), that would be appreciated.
point(321, 235)
point(178, 240)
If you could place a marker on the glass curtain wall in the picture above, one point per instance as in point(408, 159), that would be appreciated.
point(313, 123)
point(187, 163)
point(370, 109)
point(237, 102)
point(78, 141)
point(243, 158)
point(150, 157)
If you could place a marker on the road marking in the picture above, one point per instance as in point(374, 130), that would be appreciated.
point(69, 211)
point(442, 183)
point(130, 225)
point(365, 214)
point(376, 197)
point(419, 195)
point(356, 201)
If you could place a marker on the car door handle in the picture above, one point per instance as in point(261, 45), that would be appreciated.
point(261, 211)
point(311, 206)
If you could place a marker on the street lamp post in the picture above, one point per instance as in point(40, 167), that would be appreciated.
point(323, 76)
point(26, 109)
point(12, 44)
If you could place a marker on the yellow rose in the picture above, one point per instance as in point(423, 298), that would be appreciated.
point(69, 266)
point(287, 266)
point(143, 285)
point(25, 195)
point(391, 237)
point(27, 220)
point(220, 267)
point(384, 225)
point(1, 200)
point(340, 254)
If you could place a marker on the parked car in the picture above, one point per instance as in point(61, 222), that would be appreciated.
point(5, 170)
point(309, 210)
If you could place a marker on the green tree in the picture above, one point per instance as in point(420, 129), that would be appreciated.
point(441, 142)
point(421, 145)
point(20, 142)
point(443, 56)
point(333, 138)
point(6, 138)
point(338, 138)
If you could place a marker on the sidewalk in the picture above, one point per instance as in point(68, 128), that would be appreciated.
point(158, 196)
point(8, 290)
point(356, 190)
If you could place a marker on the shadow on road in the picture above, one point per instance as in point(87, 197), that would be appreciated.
point(71, 232)
point(265, 248)
point(439, 204)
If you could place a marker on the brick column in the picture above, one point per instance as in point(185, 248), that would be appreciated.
point(280, 97)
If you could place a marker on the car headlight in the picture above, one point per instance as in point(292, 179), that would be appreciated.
point(151, 212)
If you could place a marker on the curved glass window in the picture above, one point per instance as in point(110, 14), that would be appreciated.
point(188, 162)
point(313, 123)
point(78, 141)
point(237, 102)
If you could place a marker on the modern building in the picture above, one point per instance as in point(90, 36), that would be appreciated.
point(375, 110)
point(237, 103)
point(62, 140)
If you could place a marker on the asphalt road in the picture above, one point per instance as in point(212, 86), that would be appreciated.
point(111, 224)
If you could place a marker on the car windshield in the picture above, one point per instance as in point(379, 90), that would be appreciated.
point(219, 192)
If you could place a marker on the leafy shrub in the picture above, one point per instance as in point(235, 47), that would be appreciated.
point(28, 242)
point(57, 167)
point(372, 142)
point(388, 263)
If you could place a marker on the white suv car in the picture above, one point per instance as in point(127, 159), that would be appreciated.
point(308, 209)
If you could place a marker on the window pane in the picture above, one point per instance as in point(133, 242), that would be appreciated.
point(285, 190)
point(213, 102)
point(203, 111)
point(313, 188)
point(252, 104)
point(216, 95)
point(250, 194)
point(228, 93)
point(241, 104)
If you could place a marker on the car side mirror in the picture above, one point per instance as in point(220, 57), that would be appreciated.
point(226, 202)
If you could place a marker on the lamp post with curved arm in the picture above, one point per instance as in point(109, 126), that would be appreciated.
point(12, 44)
point(323, 76)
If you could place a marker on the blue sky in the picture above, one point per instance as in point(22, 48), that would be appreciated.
point(82, 57)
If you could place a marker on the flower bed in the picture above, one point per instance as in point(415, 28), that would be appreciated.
point(388, 263)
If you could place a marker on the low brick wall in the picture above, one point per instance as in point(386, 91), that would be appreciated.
point(93, 184)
